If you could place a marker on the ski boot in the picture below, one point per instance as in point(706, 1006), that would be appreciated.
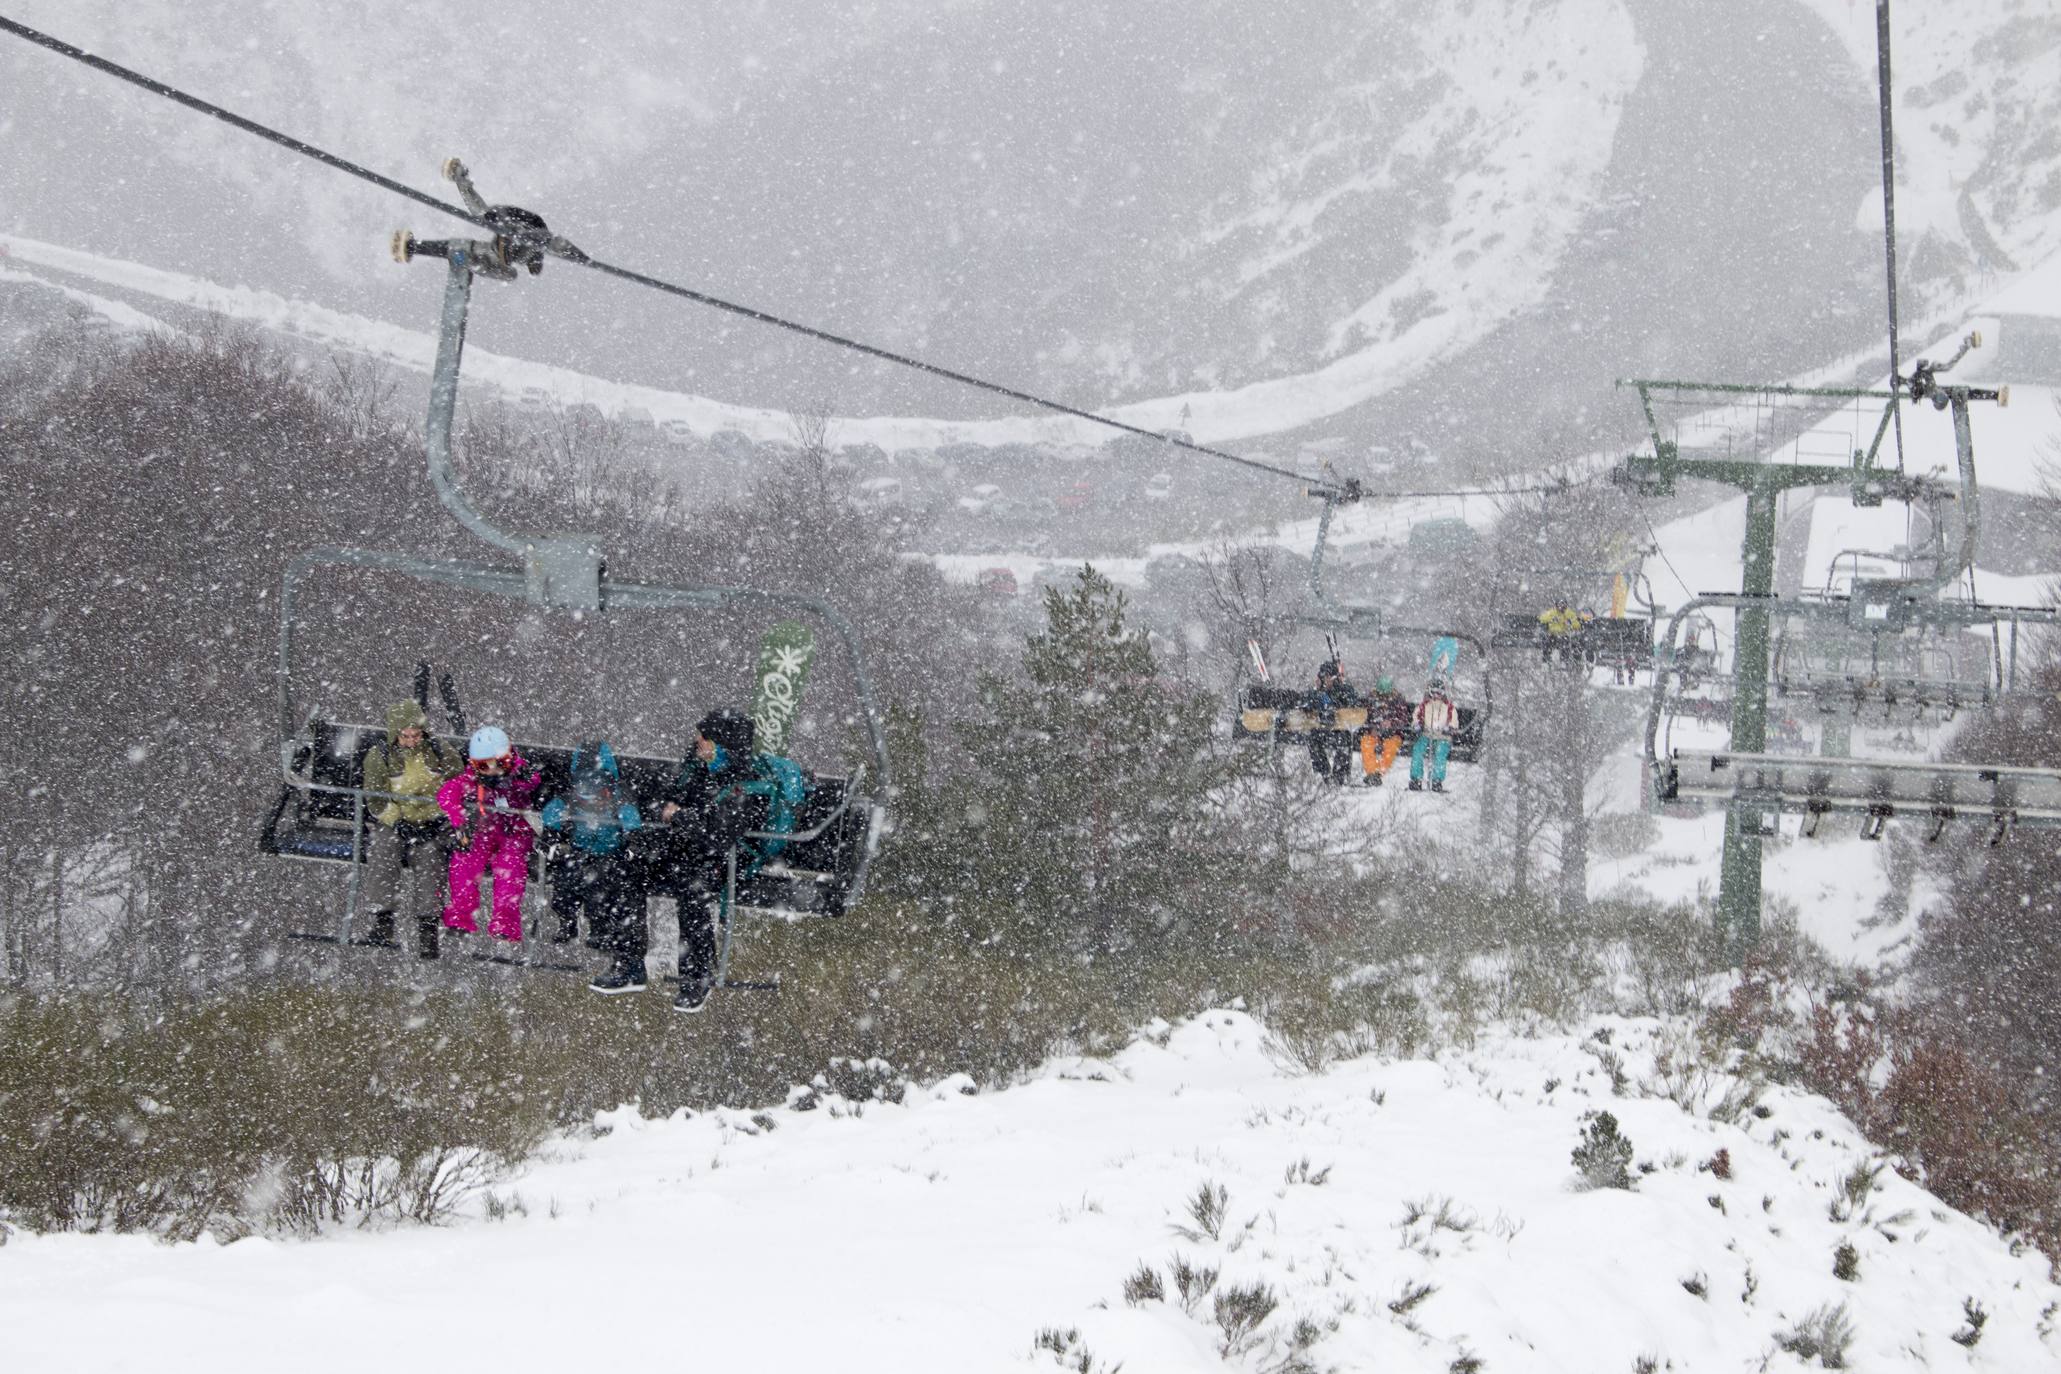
point(625, 975)
point(1439, 786)
point(1416, 785)
point(692, 998)
point(381, 935)
point(1373, 780)
point(426, 937)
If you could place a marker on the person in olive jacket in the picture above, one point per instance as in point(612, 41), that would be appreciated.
point(405, 869)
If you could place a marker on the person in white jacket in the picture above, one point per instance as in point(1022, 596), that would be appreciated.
point(1437, 720)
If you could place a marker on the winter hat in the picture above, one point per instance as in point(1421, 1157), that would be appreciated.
point(406, 715)
point(730, 731)
point(488, 742)
point(1384, 684)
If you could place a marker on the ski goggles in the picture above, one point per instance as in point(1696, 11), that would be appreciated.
point(499, 765)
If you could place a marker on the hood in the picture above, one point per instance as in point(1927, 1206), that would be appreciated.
point(595, 756)
point(730, 731)
point(405, 715)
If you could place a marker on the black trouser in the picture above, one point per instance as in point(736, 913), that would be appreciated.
point(606, 886)
point(1331, 754)
point(699, 896)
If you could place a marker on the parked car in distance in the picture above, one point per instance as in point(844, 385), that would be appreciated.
point(981, 500)
point(880, 492)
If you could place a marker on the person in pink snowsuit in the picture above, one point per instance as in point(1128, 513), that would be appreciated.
point(484, 805)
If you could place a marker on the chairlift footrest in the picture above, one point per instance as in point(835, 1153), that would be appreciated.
point(542, 966)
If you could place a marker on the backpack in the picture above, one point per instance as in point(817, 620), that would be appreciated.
point(781, 781)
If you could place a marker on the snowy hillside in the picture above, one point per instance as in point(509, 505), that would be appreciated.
point(1376, 1215)
point(1271, 233)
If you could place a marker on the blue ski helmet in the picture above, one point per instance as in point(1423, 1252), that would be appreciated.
point(488, 742)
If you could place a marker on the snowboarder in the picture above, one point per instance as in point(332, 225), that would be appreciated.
point(1436, 721)
point(590, 864)
point(703, 816)
point(404, 871)
point(1331, 748)
point(1388, 723)
point(489, 833)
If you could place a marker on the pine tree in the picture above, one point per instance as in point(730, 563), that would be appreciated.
point(1096, 810)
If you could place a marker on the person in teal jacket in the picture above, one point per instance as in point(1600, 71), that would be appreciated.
point(590, 867)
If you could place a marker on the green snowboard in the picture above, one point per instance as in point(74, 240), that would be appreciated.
point(784, 658)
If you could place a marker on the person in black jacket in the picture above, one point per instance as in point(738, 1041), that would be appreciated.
point(1331, 748)
point(702, 816)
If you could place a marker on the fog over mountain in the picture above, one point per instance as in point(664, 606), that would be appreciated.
point(1458, 220)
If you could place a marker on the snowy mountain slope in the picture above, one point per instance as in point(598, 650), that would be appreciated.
point(1978, 92)
point(1291, 215)
point(1293, 202)
point(947, 1232)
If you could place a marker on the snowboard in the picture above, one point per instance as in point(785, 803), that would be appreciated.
point(783, 672)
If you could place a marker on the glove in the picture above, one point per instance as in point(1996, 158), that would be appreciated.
point(461, 837)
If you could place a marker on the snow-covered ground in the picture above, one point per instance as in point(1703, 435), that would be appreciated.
point(947, 1232)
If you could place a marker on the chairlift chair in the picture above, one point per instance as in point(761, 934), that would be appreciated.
point(320, 816)
point(1623, 642)
point(1269, 711)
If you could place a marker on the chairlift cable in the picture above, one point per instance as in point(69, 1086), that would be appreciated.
point(1896, 380)
point(345, 165)
point(1662, 551)
point(249, 126)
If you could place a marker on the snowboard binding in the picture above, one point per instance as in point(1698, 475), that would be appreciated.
point(521, 238)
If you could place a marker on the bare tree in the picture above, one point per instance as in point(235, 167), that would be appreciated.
point(1243, 603)
point(362, 391)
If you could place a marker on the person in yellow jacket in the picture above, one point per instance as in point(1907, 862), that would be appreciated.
point(1563, 625)
point(406, 865)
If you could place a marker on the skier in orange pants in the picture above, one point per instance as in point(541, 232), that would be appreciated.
point(1388, 723)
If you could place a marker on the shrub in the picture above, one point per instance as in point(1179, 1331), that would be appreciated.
point(1846, 1262)
point(1240, 1310)
point(1207, 1209)
point(1193, 1282)
point(285, 1110)
point(1604, 1156)
point(1826, 1335)
point(1975, 1317)
point(1144, 1286)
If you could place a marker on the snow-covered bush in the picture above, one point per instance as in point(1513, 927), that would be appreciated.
point(1604, 1156)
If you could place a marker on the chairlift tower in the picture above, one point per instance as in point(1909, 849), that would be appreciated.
point(1879, 605)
